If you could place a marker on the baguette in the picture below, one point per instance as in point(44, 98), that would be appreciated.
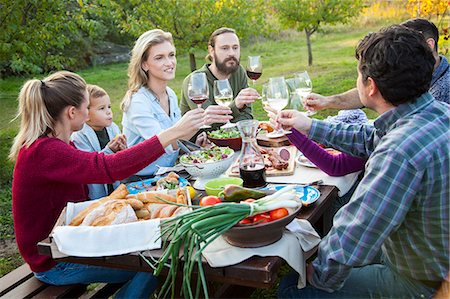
point(120, 192)
point(152, 197)
point(78, 219)
point(143, 214)
point(167, 211)
point(136, 204)
point(181, 196)
point(155, 209)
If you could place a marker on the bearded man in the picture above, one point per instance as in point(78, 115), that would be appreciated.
point(224, 54)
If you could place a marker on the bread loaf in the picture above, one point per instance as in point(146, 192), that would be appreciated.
point(153, 197)
point(110, 212)
point(78, 219)
point(120, 192)
point(136, 204)
point(165, 210)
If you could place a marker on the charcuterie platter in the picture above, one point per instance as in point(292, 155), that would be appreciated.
point(279, 161)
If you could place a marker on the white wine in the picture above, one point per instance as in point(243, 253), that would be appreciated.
point(304, 91)
point(224, 100)
point(278, 103)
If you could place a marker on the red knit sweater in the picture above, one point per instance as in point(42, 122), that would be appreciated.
point(51, 173)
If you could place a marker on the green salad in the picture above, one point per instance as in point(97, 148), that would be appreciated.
point(224, 133)
point(213, 154)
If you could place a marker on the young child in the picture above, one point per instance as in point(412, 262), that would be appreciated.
point(99, 134)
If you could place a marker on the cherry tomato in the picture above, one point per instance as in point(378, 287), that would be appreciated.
point(210, 200)
point(261, 218)
point(245, 221)
point(278, 213)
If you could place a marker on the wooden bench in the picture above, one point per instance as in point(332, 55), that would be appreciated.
point(21, 283)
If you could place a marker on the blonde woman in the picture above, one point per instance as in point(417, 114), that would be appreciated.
point(150, 106)
point(49, 172)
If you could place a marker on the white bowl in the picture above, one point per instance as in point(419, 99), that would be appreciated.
point(207, 171)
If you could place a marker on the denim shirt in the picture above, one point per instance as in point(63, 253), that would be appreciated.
point(145, 118)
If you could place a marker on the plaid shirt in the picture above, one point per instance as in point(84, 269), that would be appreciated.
point(401, 205)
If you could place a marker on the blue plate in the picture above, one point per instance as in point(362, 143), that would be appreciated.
point(308, 197)
point(141, 186)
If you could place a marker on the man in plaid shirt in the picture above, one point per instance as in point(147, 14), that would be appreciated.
point(401, 206)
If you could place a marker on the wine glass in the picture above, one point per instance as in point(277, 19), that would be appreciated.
point(223, 95)
point(295, 99)
point(304, 88)
point(254, 68)
point(198, 91)
point(278, 99)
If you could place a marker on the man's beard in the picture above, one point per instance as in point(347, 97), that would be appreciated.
point(222, 66)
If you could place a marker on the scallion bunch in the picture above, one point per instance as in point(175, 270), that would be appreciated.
point(189, 234)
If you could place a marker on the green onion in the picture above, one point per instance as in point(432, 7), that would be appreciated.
point(189, 234)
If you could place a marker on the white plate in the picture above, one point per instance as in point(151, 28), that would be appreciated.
point(311, 195)
point(302, 160)
point(275, 134)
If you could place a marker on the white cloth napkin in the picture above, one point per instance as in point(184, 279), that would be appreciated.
point(299, 238)
point(93, 241)
point(306, 175)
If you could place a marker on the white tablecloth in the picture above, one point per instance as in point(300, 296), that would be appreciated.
point(299, 238)
point(306, 175)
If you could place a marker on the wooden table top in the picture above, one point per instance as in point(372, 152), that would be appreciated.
point(257, 272)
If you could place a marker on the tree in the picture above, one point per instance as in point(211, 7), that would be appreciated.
point(309, 16)
point(44, 35)
point(192, 22)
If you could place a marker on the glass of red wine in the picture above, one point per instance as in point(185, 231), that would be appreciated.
point(198, 91)
point(254, 68)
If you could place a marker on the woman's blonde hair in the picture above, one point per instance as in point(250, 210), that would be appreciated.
point(41, 103)
point(137, 77)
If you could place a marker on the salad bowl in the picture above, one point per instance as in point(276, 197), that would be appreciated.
point(230, 138)
point(207, 164)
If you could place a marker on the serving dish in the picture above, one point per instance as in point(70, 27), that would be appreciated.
point(303, 161)
point(307, 194)
point(215, 186)
point(150, 184)
point(250, 236)
point(225, 137)
point(204, 171)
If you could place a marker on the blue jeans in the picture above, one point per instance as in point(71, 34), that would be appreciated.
point(372, 281)
point(138, 284)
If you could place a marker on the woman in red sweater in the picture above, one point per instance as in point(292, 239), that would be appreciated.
point(50, 171)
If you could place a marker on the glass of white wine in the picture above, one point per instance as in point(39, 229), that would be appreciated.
point(223, 95)
point(278, 99)
point(304, 88)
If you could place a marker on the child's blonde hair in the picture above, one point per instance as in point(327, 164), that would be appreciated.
point(95, 91)
point(137, 77)
point(41, 103)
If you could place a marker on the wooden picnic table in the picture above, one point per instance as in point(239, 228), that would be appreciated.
point(256, 272)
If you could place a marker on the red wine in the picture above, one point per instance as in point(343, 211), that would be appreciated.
point(199, 100)
point(253, 75)
point(254, 177)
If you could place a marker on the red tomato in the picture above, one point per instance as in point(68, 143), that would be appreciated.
point(248, 220)
point(261, 218)
point(278, 213)
point(210, 200)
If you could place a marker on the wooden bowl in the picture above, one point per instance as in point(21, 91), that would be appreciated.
point(250, 236)
point(233, 143)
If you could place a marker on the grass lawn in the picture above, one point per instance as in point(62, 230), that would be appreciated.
point(334, 71)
